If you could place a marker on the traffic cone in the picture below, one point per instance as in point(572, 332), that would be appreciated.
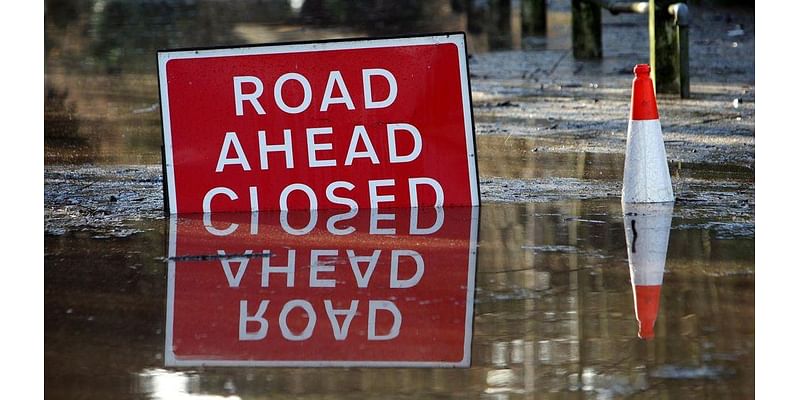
point(646, 178)
point(647, 235)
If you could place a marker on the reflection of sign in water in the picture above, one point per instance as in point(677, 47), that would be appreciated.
point(341, 124)
point(357, 288)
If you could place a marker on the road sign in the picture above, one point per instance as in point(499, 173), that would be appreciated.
point(338, 124)
point(322, 288)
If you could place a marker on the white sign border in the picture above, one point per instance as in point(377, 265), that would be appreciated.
point(457, 38)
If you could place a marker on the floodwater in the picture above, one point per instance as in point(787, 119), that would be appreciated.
point(522, 299)
point(550, 289)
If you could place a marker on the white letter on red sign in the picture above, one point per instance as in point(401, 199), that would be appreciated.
point(374, 197)
point(258, 318)
point(412, 190)
point(312, 320)
point(231, 139)
point(393, 157)
point(215, 191)
point(251, 97)
point(369, 102)
point(286, 147)
point(374, 306)
point(279, 93)
point(359, 132)
point(313, 147)
point(312, 198)
point(397, 283)
point(340, 332)
point(254, 208)
point(267, 269)
point(333, 198)
point(335, 77)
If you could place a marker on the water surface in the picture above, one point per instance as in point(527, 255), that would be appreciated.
point(553, 302)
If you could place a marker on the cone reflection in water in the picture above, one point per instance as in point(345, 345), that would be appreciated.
point(647, 235)
point(646, 178)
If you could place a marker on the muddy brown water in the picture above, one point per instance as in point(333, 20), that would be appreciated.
point(531, 295)
point(554, 311)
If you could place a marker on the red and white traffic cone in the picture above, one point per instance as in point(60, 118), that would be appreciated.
point(647, 234)
point(646, 178)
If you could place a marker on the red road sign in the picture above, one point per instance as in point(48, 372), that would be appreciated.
point(322, 288)
point(339, 124)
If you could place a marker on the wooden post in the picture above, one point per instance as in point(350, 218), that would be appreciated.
point(587, 34)
point(683, 44)
point(534, 17)
point(499, 24)
point(664, 48)
point(476, 17)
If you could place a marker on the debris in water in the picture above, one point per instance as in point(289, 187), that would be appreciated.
point(679, 372)
point(738, 31)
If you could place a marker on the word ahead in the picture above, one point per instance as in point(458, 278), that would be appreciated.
point(341, 124)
